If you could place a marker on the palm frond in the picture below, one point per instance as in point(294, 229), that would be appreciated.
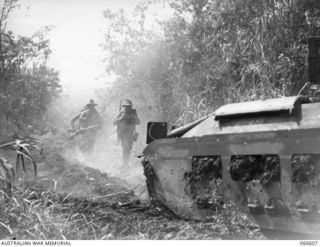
point(23, 149)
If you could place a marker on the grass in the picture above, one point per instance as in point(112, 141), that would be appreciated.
point(70, 201)
point(36, 212)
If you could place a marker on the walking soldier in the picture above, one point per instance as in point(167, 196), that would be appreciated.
point(126, 122)
point(89, 123)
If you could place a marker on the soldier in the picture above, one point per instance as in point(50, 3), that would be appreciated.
point(126, 122)
point(89, 122)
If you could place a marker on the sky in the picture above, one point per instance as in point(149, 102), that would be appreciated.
point(79, 28)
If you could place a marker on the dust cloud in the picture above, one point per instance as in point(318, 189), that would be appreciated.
point(107, 154)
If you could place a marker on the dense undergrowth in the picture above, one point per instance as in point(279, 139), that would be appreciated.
point(68, 200)
point(206, 53)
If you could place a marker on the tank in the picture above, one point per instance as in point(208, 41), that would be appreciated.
point(263, 156)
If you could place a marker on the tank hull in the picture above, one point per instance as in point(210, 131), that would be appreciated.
point(185, 170)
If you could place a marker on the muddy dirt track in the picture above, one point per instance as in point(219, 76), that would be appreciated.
point(70, 200)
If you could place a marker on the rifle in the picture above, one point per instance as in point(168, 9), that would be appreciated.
point(83, 130)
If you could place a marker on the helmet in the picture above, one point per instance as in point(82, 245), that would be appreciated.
point(127, 102)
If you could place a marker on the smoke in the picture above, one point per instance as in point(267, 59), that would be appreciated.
point(107, 157)
point(107, 153)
